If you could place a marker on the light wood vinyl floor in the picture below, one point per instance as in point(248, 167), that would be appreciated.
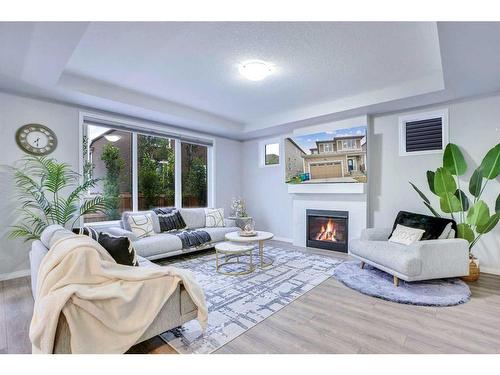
point(331, 318)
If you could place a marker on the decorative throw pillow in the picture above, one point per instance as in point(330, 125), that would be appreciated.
point(214, 217)
point(446, 232)
point(120, 248)
point(433, 226)
point(406, 235)
point(170, 219)
point(141, 225)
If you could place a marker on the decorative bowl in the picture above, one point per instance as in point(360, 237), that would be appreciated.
point(247, 234)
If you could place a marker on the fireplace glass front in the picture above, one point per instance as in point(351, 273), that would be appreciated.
point(327, 229)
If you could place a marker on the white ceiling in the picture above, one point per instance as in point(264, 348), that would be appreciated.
point(186, 74)
point(196, 63)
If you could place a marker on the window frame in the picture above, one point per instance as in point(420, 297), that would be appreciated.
point(262, 152)
point(420, 116)
point(327, 147)
point(141, 128)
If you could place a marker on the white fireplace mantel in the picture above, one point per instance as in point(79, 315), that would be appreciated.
point(356, 207)
point(337, 188)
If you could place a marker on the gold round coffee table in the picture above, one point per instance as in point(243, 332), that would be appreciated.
point(260, 237)
point(232, 250)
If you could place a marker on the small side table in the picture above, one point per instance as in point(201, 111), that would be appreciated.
point(232, 250)
point(241, 221)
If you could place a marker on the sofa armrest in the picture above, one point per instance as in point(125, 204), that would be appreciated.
point(37, 253)
point(375, 234)
point(443, 258)
point(116, 231)
point(230, 222)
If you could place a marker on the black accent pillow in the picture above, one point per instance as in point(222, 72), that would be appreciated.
point(169, 218)
point(432, 225)
point(120, 248)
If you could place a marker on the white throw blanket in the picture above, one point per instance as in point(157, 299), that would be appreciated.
point(108, 306)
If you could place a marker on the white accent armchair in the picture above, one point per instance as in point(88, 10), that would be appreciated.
point(422, 260)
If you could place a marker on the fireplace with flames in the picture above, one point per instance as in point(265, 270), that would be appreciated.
point(327, 229)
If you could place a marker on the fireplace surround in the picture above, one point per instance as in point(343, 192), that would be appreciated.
point(327, 229)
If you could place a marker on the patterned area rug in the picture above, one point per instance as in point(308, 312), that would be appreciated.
point(376, 283)
point(237, 303)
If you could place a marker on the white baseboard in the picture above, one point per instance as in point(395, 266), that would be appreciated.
point(283, 239)
point(14, 275)
point(493, 271)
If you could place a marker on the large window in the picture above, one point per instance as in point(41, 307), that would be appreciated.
point(194, 175)
point(110, 161)
point(141, 171)
point(156, 171)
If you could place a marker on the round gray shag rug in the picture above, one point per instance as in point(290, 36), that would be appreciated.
point(376, 283)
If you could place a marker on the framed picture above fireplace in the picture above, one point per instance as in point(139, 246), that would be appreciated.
point(337, 156)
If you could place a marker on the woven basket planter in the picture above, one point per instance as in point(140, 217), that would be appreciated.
point(473, 270)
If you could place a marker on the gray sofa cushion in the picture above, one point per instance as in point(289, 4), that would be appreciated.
point(126, 224)
point(158, 244)
point(399, 258)
point(218, 233)
point(53, 233)
point(193, 217)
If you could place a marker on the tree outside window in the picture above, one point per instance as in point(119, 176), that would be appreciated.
point(194, 175)
point(156, 171)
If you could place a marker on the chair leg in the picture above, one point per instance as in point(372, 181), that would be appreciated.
point(396, 281)
point(362, 265)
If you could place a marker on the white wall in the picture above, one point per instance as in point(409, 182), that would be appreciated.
point(16, 111)
point(474, 125)
point(228, 172)
point(265, 192)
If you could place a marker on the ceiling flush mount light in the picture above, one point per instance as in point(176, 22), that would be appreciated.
point(112, 137)
point(256, 70)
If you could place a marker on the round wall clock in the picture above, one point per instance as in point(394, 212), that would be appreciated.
point(36, 139)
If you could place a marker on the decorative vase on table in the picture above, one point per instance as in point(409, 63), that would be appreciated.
point(238, 207)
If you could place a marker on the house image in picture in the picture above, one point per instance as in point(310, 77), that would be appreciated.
point(339, 159)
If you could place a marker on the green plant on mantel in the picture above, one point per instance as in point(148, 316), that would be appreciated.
point(49, 192)
point(472, 215)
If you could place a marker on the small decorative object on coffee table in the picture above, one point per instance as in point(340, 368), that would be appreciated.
point(259, 237)
point(230, 251)
point(248, 231)
point(242, 222)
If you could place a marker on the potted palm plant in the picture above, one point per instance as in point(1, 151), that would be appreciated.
point(473, 215)
point(48, 193)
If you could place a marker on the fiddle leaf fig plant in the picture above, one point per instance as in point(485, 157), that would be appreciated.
point(473, 216)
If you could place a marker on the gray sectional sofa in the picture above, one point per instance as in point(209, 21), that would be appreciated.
point(166, 244)
point(178, 309)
